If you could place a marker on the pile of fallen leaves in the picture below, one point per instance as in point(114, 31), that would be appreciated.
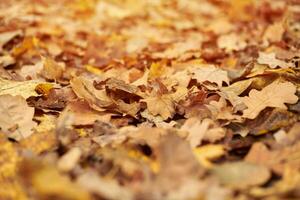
point(149, 99)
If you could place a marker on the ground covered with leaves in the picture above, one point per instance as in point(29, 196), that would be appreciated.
point(149, 99)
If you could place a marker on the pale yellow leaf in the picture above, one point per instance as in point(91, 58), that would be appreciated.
point(211, 74)
point(271, 60)
point(23, 88)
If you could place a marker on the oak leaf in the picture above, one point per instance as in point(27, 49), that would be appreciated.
point(274, 95)
point(211, 74)
point(271, 60)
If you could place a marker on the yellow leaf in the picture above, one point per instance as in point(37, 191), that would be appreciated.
point(44, 88)
point(23, 88)
point(28, 43)
point(156, 70)
point(154, 165)
point(93, 69)
point(47, 181)
point(208, 152)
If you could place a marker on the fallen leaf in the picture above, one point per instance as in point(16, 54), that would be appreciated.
point(231, 42)
point(51, 69)
point(103, 187)
point(209, 152)
point(161, 105)
point(271, 60)
point(202, 130)
point(242, 174)
point(211, 74)
point(274, 95)
point(46, 181)
point(7, 36)
point(23, 88)
point(85, 89)
point(69, 160)
point(276, 160)
point(16, 117)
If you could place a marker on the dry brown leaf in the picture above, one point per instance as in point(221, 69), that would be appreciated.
point(51, 69)
point(232, 92)
point(274, 32)
point(16, 117)
point(161, 105)
point(82, 114)
point(179, 171)
point(220, 110)
point(274, 95)
point(85, 89)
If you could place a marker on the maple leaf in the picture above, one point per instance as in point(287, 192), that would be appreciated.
point(274, 95)
point(211, 74)
point(16, 117)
